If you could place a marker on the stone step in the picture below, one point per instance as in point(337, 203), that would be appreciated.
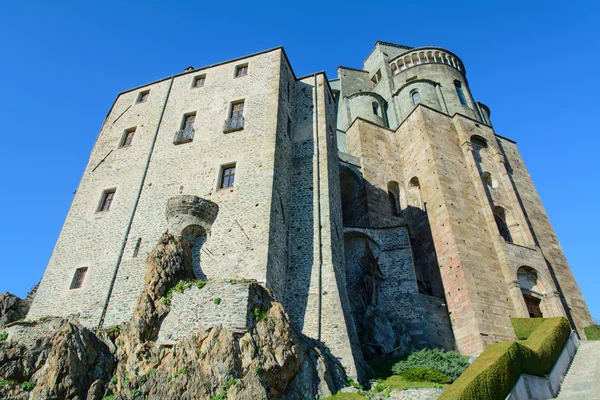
point(582, 381)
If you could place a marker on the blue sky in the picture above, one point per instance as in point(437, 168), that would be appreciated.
point(535, 64)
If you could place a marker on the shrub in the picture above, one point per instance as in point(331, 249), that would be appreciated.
point(524, 326)
point(354, 384)
point(422, 374)
point(259, 314)
point(3, 336)
point(135, 394)
point(491, 376)
point(497, 369)
point(7, 383)
point(27, 386)
point(448, 363)
point(592, 332)
point(542, 348)
point(217, 300)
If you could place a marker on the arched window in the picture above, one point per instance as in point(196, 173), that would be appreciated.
point(416, 97)
point(394, 197)
point(489, 180)
point(414, 193)
point(375, 108)
point(500, 217)
point(460, 93)
point(478, 141)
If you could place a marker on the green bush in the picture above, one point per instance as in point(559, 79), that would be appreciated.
point(422, 374)
point(592, 332)
point(27, 386)
point(3, 336)
point(448, 363)
point(497, 369)
point(524, 326)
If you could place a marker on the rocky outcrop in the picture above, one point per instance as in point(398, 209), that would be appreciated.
point(12, 308)
point(266, 359)
point(60, 356)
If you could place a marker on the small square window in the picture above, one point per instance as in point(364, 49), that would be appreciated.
point(143, 97)
point(227, 176)
point(78, 278)
point(241, 70)
point(107, 199)
point(199, 81)
point(127, 137)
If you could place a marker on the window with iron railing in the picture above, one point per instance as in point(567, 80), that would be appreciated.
point(186, 133)
point(236, 118)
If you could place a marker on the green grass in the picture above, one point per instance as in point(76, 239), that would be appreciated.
point(396, 382)
point(592, 332)
point(524, 326)
point(346, 396)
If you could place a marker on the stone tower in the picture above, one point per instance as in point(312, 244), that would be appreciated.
point(378, 204)
point(427, 153)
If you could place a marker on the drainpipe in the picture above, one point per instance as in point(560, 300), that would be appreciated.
point(137, 201)
point(319, 235)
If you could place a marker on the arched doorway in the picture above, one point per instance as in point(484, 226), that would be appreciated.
point(532, 290)
point(196, 237)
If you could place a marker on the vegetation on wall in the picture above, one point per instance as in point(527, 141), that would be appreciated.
point(497, 369)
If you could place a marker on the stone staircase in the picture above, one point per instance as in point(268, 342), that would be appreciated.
point(582, 382)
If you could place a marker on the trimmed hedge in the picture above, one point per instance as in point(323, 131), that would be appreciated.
point(497, 369)
point(524, 326)
point(592, 332)
point(544, 345)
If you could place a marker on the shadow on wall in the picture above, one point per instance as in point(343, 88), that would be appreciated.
point(365, 205)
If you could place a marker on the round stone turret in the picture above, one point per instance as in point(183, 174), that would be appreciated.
point(187, 210)
point(434, 77)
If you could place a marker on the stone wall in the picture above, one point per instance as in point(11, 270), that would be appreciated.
point(220, 302)
point(240, 233)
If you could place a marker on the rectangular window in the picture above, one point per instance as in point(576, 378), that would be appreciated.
point(143, 97)
point(188, 122)
point(289, 127)
point(199, 81)
point(241, 70)
point(107, 199)
point(235, 121)
point(78, 278)
point(127, 137)
point(227, 176)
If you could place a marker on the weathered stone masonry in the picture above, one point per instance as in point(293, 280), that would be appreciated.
point(383, 193)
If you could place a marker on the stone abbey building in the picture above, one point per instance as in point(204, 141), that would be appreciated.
point(381, 202)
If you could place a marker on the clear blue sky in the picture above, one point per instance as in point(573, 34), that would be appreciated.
point(535, 64)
